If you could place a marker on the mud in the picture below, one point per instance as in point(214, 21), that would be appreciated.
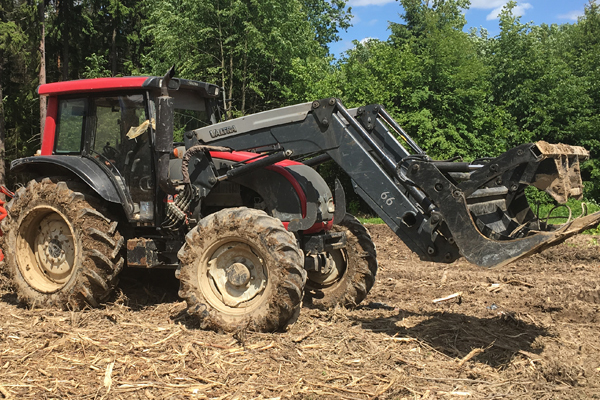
point(528, 330)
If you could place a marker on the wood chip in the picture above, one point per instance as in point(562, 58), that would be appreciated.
point(472, 353)
point(494, 288)
point(533, 357)
point(5, 392)
point(108, 376)
point(450, 297)
point(304, 336)
point(466, 394)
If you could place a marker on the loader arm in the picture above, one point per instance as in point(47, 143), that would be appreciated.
point(441, 210)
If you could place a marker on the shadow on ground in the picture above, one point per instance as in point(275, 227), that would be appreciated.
point(455, 335)
point(142, 288)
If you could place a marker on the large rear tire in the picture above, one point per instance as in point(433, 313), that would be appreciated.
point(240, 269)
point(62, 249)
point(352, 277)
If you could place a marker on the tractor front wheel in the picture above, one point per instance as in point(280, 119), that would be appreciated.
point(240, 269)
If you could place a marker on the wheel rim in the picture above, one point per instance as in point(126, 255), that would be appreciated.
point(233, 276)
point(340, 263)
point(46, 251)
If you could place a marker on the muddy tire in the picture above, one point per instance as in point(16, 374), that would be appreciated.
point(240, 269)
point(353, 276)
point(62, 249)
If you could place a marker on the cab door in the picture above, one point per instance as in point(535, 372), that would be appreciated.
point(120, 135)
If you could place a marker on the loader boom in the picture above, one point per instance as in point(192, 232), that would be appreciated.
point(440, 209)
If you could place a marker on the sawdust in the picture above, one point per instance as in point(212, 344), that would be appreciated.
point(523, 331)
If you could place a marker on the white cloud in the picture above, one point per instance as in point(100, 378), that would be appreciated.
point(518, 10)
point(487, 4)
point(361, 3)
point(372, 22)
point(572, 15)
point(367, 40)
point(494, 14)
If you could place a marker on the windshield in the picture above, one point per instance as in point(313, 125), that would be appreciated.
point(190, 112)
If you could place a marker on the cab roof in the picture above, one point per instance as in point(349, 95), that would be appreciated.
point(130, 82)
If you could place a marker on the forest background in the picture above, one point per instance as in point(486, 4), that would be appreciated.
point(457, 93)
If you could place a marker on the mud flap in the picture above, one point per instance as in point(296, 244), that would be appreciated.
point(301, 224)
point(340, 203)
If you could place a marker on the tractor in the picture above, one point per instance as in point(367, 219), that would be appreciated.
point(145, 172)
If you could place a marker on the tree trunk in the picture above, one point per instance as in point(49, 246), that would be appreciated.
point(65, 56)
point(230, 83)
point(64, 8)
point(2, 132)
point(244, 75)
point(226, 106)
point(113, 51)
point(42, 75)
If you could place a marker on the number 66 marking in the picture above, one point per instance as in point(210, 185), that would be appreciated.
point(388, 200)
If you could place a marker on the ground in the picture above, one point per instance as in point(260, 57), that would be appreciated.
point(528, 331)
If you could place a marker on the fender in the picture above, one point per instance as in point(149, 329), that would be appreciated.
point(87, 170)
point(287, 187)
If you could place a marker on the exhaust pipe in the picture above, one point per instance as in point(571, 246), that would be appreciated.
point(164, 133)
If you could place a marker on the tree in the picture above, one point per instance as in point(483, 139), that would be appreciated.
point(12, 43)
point(443, 102)
point(42, 72)
point(327, 18)
point(248, 47)
point(579, 47)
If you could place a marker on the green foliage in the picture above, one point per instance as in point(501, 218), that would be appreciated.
point(326, 19)
point(248, 47)
point(96, 67)
point(17, 89)
point(312, 78)
point(429, 75)
point(369, 220)
point(457, 93)
point(547, 209)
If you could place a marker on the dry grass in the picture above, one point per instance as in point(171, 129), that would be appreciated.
point(539, 341)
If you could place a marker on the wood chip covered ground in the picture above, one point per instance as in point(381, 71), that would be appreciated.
point(529, 330)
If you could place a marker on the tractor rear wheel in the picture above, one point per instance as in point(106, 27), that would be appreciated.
point(353, 274)
point(62, 250)
point(240, 269)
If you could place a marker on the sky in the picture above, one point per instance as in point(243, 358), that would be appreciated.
point(372, 17)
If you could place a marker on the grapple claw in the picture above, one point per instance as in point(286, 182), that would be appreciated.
point(486, 211)
point(564, 180)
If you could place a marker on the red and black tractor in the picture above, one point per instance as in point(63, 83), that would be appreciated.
point(144, 172)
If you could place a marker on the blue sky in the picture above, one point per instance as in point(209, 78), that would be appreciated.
point(372, 17)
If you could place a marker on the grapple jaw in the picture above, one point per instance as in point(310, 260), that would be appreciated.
point(486, 212)
point(558, 174)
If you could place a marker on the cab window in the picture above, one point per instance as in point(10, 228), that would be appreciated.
point(189, 113)
point(69, 127)
point(115, 118)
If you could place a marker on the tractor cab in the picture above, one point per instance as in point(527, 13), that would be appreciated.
point(103, 130)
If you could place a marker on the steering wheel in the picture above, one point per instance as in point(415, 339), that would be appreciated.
point(110, 152)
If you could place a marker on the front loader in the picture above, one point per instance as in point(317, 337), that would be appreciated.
point(142, 172)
